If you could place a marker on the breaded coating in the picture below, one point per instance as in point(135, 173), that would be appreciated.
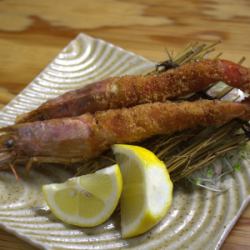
point(128, 91)
point(87, 136)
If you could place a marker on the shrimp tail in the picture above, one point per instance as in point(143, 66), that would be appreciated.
point(235, 75)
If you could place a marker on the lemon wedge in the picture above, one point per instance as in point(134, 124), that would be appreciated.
point(88, 200)
point(147, 189)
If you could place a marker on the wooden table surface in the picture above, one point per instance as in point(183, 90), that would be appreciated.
point(33, 32)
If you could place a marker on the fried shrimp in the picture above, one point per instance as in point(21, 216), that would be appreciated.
point(67, 140)
point(128, 91)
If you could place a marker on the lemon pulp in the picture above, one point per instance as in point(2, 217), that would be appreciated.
point(147, 189)
point(87, 200)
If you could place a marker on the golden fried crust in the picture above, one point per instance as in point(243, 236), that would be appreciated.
point(143, 121)
point(89, 135)
point(129, 91)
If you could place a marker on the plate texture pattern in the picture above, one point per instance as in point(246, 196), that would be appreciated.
point(198, 219)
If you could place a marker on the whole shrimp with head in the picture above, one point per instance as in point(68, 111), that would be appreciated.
point(76, 139)
point(128, 91)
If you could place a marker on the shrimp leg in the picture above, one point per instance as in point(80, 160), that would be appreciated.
point(49, 159)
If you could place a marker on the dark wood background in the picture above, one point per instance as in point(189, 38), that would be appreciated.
point(33, 32)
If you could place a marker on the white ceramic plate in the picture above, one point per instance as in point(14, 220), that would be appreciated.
point(198, 219)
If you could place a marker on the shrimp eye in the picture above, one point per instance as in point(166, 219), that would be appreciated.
point(9, 143)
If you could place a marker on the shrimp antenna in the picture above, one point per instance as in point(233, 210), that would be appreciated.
point(14, 171)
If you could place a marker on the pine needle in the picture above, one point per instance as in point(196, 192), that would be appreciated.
point(190, 150)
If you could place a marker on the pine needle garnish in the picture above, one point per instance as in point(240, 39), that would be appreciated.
point(188, 151)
